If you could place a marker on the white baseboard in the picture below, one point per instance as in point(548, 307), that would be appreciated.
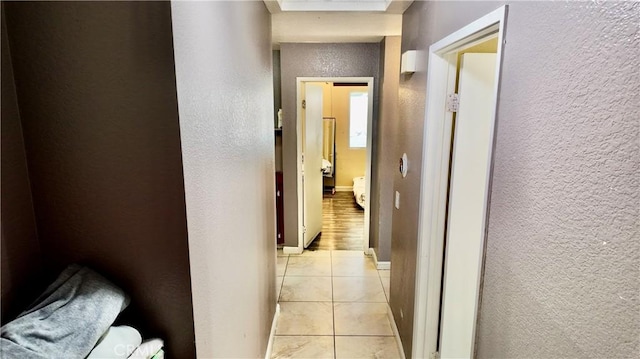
point(396, 333)
point(344, 188)
point(272, 335)
point(380, 265)
point(291, 250)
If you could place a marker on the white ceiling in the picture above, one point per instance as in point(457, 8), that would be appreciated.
point(335, 20)
point(389, 6)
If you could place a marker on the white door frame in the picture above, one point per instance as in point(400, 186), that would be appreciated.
point(441, 78)
point(367, 210)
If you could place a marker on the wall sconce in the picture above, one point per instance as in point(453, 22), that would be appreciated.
point(408, 63)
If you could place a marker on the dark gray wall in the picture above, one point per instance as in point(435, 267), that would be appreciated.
point(409, 139)
point(317, 60)
point(96, 88)
point(225, 91)
point(277, 93)
point(386, 162)
point(561, 274)
point(277, 104)
point(21, 254)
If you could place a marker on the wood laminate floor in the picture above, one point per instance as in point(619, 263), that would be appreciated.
point(342, 223)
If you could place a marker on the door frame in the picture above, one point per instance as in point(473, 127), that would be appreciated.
point(436, 154)
point(367, 210)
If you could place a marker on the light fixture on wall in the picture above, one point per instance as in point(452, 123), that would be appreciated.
point(408, 63)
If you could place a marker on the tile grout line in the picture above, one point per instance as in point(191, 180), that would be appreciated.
point(382, 284)
point(286, 265)
point(333, 301)
point(333, 309)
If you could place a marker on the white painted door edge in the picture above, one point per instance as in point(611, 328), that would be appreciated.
point(434, 180)
point(367, 209)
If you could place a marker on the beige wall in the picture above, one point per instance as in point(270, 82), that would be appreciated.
point(228, 154)
point(350, 162)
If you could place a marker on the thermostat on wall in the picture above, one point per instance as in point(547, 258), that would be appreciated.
point(404, 165)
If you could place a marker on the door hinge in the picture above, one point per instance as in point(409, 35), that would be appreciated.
point(304, 229)
point(453, 102)
point(435, 355)
point(304, 103)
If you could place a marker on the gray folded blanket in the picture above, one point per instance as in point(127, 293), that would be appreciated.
point(67, 320)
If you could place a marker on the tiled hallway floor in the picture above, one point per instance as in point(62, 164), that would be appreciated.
point(333, 304)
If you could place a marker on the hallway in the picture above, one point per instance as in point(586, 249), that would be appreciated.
point(333, 304)
point(342, 223)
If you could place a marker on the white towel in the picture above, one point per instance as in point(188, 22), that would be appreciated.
point(147, 349)
point(117, 343)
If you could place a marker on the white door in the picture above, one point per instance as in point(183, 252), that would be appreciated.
point(467, 205)
point(312, 166)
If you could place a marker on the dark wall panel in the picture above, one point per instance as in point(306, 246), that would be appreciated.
point(21, 255)
point(96, 89)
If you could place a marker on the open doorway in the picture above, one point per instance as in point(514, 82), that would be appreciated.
point(463, 86)
point(335, 119)
point(333, 297)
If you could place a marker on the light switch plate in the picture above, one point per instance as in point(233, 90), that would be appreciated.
point(397, 200)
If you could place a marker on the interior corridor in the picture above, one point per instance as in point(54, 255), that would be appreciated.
point(342, 223)
point(333, 304)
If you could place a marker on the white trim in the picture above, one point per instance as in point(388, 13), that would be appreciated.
point(291, 250)
point(272, 334)
point(434, 185)
point(367, 209)
point(344, 188)
point(396, 333)
point(367, 170)
point(380, 265)
point(299, 166)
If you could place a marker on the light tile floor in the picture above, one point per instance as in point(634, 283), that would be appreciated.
point(333, 304)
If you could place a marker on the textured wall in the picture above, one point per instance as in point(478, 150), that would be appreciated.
point(424, 23)
point(97, 96)
point(561, 275)
point(387, 162)
point(316, 60)
point(21, 255)
point(225, 92)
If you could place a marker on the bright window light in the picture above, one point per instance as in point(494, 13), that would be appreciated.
point(358, 108)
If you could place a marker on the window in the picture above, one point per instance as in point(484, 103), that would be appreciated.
point(358, 111)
